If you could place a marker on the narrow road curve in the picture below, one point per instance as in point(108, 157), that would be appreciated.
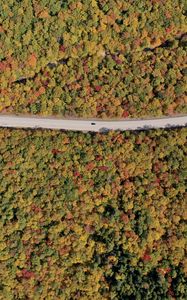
point(20, 121)
point(63, 61)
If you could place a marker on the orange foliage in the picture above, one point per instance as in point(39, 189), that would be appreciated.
point(32, 60)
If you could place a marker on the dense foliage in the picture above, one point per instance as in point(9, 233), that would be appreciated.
point(93, 216)
point(93, 58)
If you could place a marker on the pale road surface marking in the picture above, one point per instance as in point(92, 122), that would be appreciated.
point(97, 125)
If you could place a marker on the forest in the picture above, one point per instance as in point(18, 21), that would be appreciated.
point(93, 216)
point(105, 59)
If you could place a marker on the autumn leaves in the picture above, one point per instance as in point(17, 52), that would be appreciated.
point(102, 215)
point(105, 71)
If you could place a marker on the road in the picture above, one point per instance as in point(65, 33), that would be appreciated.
point(18, 121)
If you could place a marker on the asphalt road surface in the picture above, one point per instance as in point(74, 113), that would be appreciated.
point(17, 121)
